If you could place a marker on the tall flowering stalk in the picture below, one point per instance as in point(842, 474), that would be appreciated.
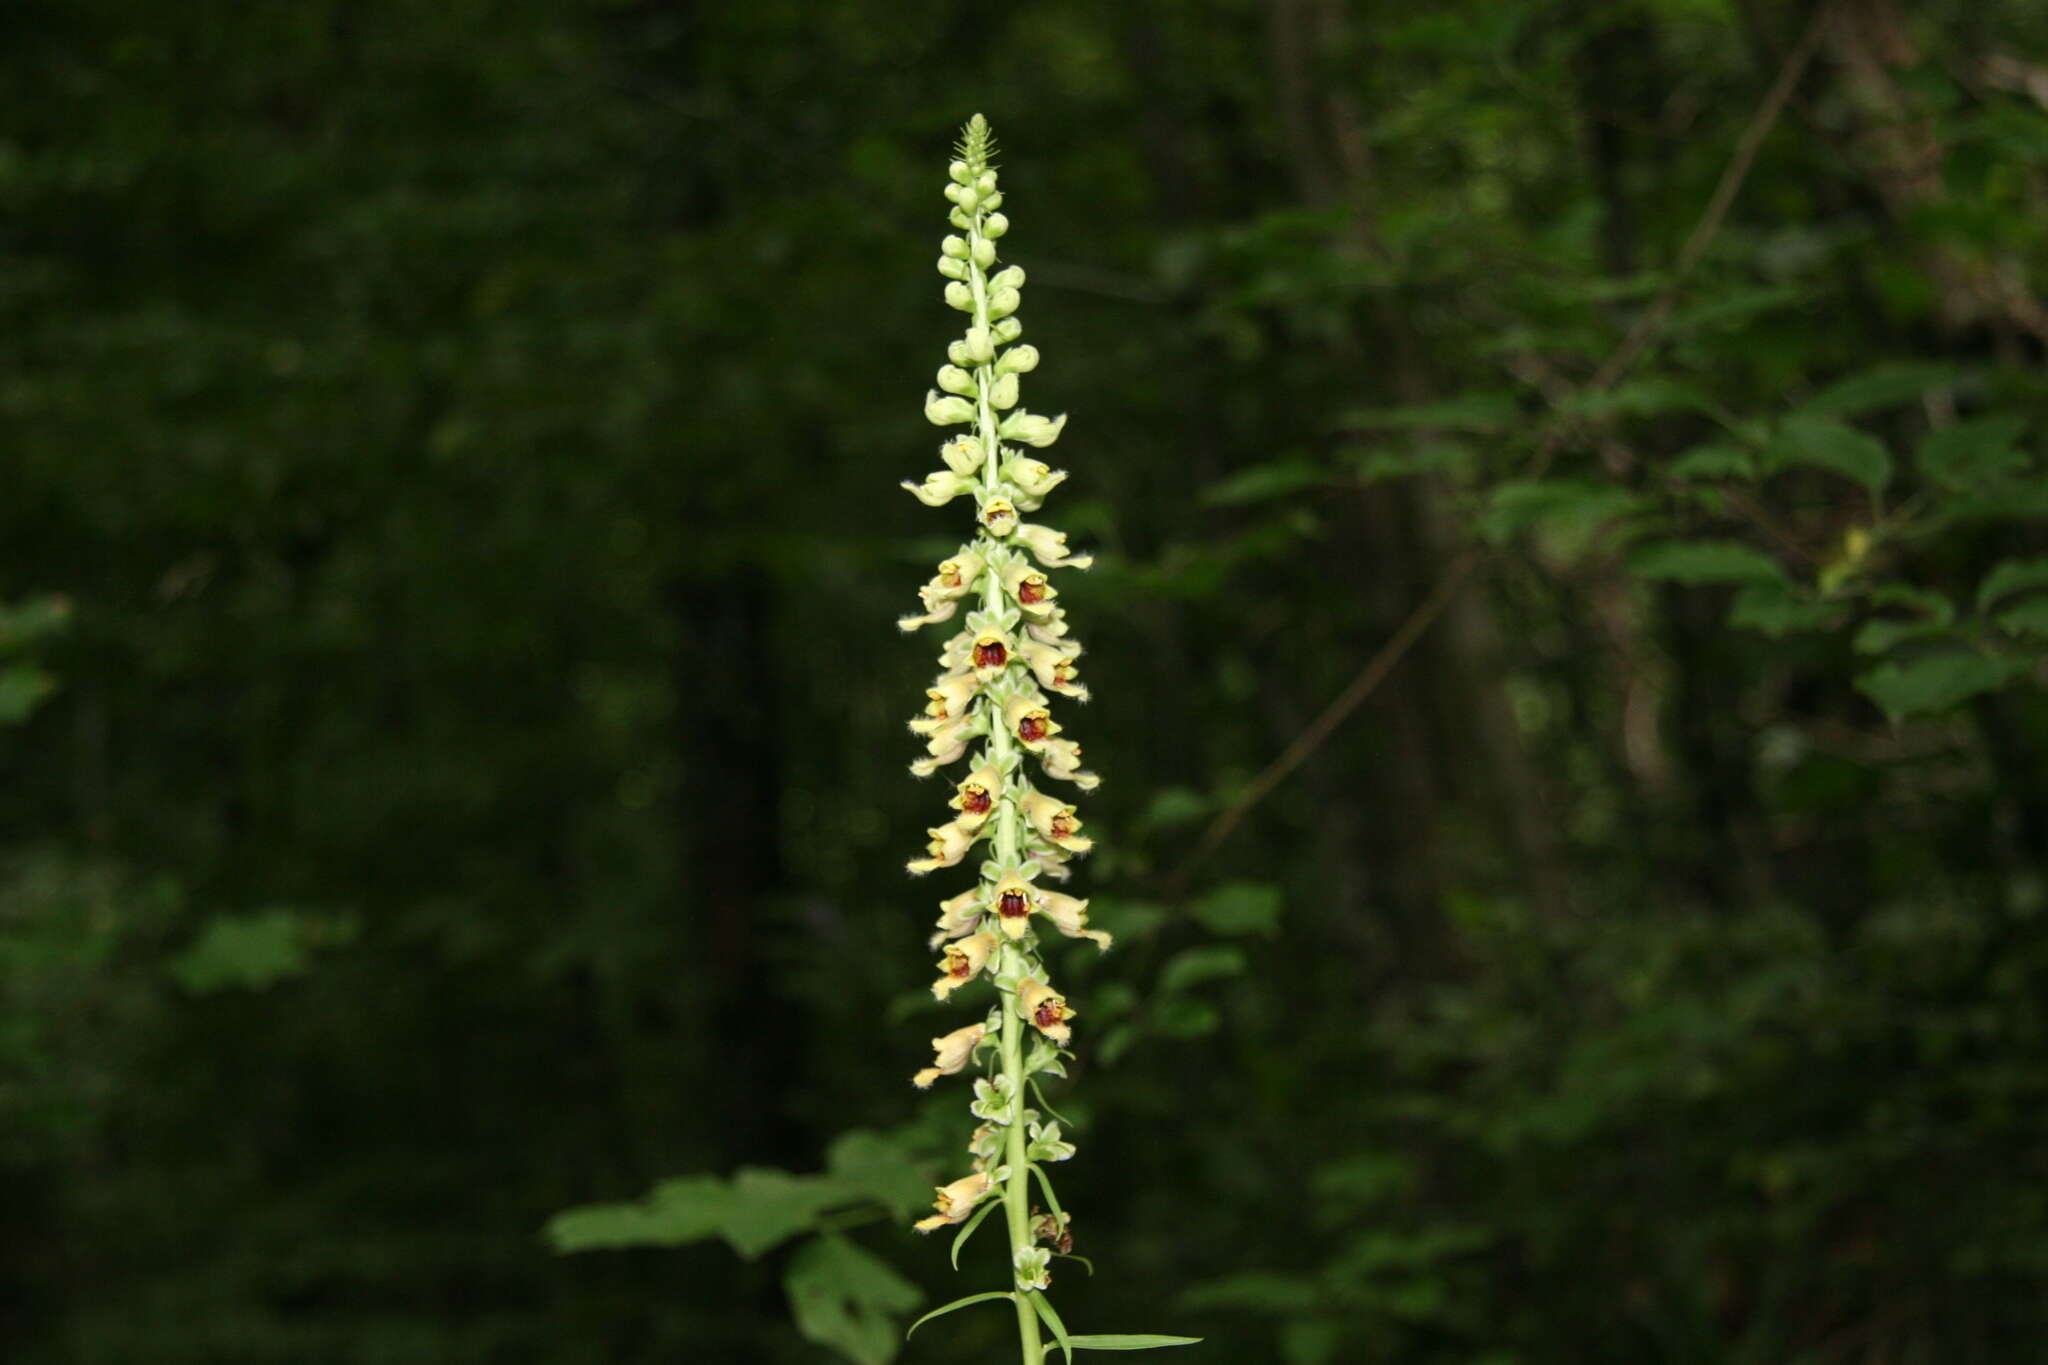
point(991, 710)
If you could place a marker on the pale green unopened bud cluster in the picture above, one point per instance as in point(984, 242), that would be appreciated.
point(992, 709)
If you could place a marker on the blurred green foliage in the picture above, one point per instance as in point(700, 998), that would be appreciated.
point(468, 785)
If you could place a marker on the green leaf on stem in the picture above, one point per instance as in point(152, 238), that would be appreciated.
point(944, 1309)
point(967, 1228)
point(1043, 1307)
point(1127, 1342)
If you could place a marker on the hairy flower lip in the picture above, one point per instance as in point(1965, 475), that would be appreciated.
point(1029, 588)
point(959, 915)
point(1027, 719)
point(948, 845)
point(1013, 900)
point(1069, 915)
point(999, 517)
point(950, 695)
point(976, 796)
point(1056, 822)
point(989, 654)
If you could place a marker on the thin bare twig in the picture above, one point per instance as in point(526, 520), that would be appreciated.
point(1617, 365)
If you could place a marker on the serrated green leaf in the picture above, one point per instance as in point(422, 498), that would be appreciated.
point(1185, 1017)
point(2009, 577)
point(766, 1207)
point(872, 1165)
point(688, 1209)
point(23, 687)
point(1263, 483)
point(1478, 412)
point(1571, 508)
point(2028, 618)
point(1923, 600)
point(1124, 1341)
point(1776, 609)
point(1935, 682)
point(1193, 966)
point(1882, 636)
point(1238, 909)
point(1714, 461)
point(1824, 444)
point(1971, 452)
point(1883, 387)
point(1704, 561)
point(957, 1304)
point(967, 1228)
point(845, 1298)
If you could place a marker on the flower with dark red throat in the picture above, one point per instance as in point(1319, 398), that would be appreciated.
point(962, 963)
point(1056, 822)
point(1027, 719)
point(977, 796)
point(1029, 588)
point(950, 694)
point(1013, 900)
point(1045, 1009)
point(989, 654)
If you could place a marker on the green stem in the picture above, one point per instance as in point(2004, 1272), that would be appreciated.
point(1017, 1190)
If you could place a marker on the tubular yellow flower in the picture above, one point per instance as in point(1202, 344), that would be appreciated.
point(1056, 823)
point(1050, 547)
point(960, 915)
point(951, 1054)
point(990, 654)
point(999, 515)
point(1013, 900)
point(957, 1200)
point(1045, 1010)
point(964, 455)
point(949, 695)
point(949, 844)
point(1029, 588)
point(1062, 759)
point(1053, 666)
point(940, 487)
point(962, 963)
point(977, 796)
point(1069, 915)
point(1033, 725)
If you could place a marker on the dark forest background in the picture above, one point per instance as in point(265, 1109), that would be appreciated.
point(454, 768)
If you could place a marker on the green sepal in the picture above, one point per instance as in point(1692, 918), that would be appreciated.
point(1051, 1199)
point(1118, 1341)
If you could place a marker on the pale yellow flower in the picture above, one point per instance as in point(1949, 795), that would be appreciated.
point(957, 1200)
point(1013, 901)
point(1030, 722)
point(951, 1054)
point(1050, 547)
point(950, 695)
point(949, 844)
point(989, 654)
point(959, 915)
point(977, 796)
point(1062, 759)
point(1046, 1010)
point(1029, 588)
point(1056, 822)
point(999, 515)
point(1069, 915)
point(962, 963)
point(1053, 666)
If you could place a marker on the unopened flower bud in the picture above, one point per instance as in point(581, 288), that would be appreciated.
point(995, 225)
point(984, 252)
point(986, 184)
point(1001, 303)
point(953, 379)
point(947, 412)
point(1007, 331)
point(1018, 360)
point(963, 454)
point(1011, 277)
point(952, 269)
point(980, 347)
point(954, 246)
point(1028, 428)
point(960, 296)
point(961, 172)
point(1004, 393)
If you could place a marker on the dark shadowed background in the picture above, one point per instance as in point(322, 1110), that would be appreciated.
point(454, 768)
